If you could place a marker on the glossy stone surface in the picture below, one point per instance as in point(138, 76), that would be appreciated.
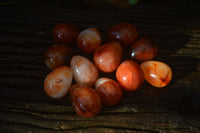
point(144, 49)
point(157, 73)
point(125, 33)
point(58, 82)
point(65, 33)
point(129, 75)
point(86, 101)
point(109, 91)
point(71, 90)
point(58, 55)
point(108, 57)
point(89, 40)
point(84, 71)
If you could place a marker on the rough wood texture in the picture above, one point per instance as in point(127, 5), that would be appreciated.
point(26, 33)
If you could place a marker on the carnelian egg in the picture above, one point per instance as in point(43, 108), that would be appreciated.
point(157, 73)
point(129, 75)
point(109, 91)
point(65, 33)
point(125, 33)
point(58, 82)
point(84, 71)
point(89, 39)
point(86, 101)
point(58, 55)
point(108, 57)
point(144, 49)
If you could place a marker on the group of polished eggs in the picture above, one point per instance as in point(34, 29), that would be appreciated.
point(90, 90)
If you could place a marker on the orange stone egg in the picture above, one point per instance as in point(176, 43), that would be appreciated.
point(157, 73)
point(58, 82)
point(65, 33)
point(124, 33)
point(109, 91)
point(108, 57)
point(86, 101)
point(58, 55)
point(143, 50)
point(84, 71)
point(129, 75)
point(89, 39)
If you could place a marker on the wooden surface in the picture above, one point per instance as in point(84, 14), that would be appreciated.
point(26, 33)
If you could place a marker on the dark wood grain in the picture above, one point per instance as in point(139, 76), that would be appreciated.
point(26, 33)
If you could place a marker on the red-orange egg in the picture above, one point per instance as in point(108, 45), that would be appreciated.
point(143, 50)
point(58, 55)
point(125, 33)
point(129, 75)
point(65, 33)
point(108, 57)
point(109, 91)
point(89, 40)
point(58, 82)
point(86, 101)
point(157, 73)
